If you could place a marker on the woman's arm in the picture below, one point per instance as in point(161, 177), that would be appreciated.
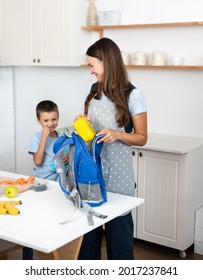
point(137, 138)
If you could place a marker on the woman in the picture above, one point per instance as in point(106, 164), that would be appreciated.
point(117, 110)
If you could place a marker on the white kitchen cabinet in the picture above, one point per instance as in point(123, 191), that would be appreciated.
point(168, 170)
point(34, 32)
point(7, 124)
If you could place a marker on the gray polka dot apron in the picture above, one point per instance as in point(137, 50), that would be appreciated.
point(116, 157)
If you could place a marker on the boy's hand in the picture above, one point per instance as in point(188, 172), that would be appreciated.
point(45, 132)
point(66, 158)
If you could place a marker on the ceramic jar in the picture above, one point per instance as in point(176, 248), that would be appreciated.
point(126, 57)
point(139, 58)
point(158, 58)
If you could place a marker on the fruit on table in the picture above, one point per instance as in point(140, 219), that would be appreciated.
point(3, 210)
point(14, 201)
point(9, 207)
point(11, 191)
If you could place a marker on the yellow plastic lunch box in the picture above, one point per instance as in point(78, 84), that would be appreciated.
point(85, 129)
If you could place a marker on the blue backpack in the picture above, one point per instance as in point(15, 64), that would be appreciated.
point(83, 180)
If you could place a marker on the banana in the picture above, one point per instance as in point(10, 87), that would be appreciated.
point(12, 210)
point(13, 201)
point(7, 206)
point(19, 202)
point(3, 210)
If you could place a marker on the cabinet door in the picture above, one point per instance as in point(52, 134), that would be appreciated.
point(135, 158)
point(50, 32)
point(35, 32)
point(161, 183)
point(16, 32)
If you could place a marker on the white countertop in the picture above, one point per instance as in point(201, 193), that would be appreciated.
point(172, 143)
point(37, 226)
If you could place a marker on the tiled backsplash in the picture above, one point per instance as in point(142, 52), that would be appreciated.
point(7, 125)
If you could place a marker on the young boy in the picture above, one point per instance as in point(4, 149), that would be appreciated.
point(41, 148)
point(41, 145)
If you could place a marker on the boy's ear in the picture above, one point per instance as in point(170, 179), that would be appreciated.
point(38, 121)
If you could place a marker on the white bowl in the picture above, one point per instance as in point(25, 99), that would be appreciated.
point(176, 60)
point(38, 185)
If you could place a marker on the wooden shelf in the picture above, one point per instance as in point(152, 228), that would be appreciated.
point(101, 28)
point(193, 67)
point(179, 67)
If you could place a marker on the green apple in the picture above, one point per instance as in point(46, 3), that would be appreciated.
point(11, 191)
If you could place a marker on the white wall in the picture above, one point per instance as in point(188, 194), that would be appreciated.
point(148, 11)
point(7, 129)
point(174, 97)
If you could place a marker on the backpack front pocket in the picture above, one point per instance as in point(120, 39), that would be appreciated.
point(88, 181)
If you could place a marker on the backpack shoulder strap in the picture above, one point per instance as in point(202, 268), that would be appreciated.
point(61, 142)
point(96, 152)
point(58, 149)
point(94, 87)
point(97, 147)
point(129, 126)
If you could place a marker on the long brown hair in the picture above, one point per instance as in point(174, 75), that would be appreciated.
point(115, 85)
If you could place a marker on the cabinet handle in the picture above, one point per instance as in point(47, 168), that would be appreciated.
point(133, 153)
point(38, 60)
point(140, 154)
point(34, 60)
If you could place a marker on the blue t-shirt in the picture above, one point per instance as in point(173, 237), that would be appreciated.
point(47, 169)
point(137, 102)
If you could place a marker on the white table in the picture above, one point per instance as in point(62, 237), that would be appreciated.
point(37, 226)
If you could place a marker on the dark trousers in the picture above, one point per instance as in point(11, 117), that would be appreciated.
point(119, 240)
point(27, 253)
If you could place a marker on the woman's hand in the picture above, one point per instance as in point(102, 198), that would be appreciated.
point(78, 117)
point(110, 135)
point(81, 116)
